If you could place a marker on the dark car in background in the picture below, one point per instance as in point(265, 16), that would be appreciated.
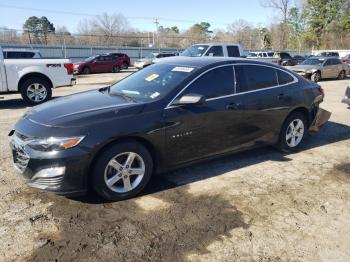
point(286, 59)
point(328, 54)
point(299, 59)
point(172, 113)
point(103, 63)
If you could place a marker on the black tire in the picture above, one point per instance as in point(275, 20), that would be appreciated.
point(115, 69)
point(33, 98)
point(99, 172)
point(125, 65)
point(315, 77)
point(341, 75)
point(86, 70)
point(284, 144)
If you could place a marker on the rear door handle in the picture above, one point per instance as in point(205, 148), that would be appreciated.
point(234, 106)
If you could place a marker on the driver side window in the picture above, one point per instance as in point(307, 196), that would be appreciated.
point(327, 63)
point(215, 83)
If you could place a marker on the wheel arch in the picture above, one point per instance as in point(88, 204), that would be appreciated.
point(303, 110)
point(33, 75)
point(146, 143)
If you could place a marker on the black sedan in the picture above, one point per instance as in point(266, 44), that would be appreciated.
point(173, 113)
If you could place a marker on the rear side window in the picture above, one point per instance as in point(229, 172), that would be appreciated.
point(19, 55)
point(215, 51)
point(284, 78)
point(215, 83)
point(233, 51)
point(254, 77)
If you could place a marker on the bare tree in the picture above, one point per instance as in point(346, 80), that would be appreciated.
point(283, 7)
point(110, 26)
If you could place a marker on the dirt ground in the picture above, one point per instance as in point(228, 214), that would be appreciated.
point(258, 205)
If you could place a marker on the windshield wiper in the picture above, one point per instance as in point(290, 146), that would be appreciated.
point(123, 95)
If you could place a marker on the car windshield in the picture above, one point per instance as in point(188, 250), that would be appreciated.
point(195, 50)
point(89, 59)
point(313, 61)
point(252, 55)
point(152, 82)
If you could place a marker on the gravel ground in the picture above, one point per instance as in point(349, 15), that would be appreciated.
point(258, 205)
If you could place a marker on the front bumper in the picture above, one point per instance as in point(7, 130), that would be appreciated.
point(63, 172)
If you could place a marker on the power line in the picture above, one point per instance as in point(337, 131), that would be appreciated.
point(94, 15)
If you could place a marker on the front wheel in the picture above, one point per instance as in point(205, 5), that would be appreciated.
point(122, 171)
point(315, 77)
point(115, 69)
point(36, 91)
point(125, 65)
point(293, 132)
point(341, 75)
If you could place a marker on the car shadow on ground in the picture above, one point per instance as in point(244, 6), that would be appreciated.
point(168, 224)
point(330, 133)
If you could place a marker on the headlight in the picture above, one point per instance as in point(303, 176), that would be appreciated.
point(54, 143)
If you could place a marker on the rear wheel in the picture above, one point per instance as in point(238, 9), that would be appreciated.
point(315, 77)
point(36, 90)
point(115, 69)
point(341, 75)
point(125, 65)
point(293, 132)
point(122, 171)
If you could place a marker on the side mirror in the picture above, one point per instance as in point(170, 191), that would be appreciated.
point(190, 99)
point(93, 61)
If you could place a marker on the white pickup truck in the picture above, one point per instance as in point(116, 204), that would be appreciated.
point(34, 78)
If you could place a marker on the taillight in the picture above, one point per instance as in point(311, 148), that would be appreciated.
point(69, 67)
point(321, 90)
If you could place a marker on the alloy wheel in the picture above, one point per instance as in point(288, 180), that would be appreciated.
point(36, 92)
point(295, 133)
point(124, 172)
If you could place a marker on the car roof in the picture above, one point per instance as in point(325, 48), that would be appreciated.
point(206, 61)
point(325, 57)
point(20, 50)
point(218, 43)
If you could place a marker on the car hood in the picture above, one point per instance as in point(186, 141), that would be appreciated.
point(303, 67)
point(82, 109)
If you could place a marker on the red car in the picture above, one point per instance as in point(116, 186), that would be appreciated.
point(104, 63)
point(346, 59)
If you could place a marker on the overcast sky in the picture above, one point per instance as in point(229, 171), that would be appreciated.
point(182, 13)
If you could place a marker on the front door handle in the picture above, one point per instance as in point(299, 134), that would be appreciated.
point(234, 106)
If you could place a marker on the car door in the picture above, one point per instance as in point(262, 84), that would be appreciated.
point(266, 101)
point(197, 131)
point(327, 69)
point(338, 67)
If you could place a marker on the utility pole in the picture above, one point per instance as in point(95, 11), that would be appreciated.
point(156, 21)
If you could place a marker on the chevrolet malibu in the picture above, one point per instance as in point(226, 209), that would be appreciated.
point(170, 114)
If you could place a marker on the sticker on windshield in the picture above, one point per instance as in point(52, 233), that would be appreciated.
point(182, 69)
point(200, 48)
point(151, 77)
